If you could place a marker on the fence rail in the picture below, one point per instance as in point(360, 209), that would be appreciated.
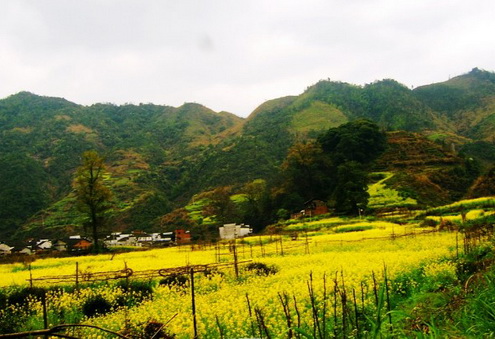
point(126, 273)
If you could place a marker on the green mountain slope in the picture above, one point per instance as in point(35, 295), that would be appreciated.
point(426, 171)
point(51, 134)
point(467, 101)
point(160, 156)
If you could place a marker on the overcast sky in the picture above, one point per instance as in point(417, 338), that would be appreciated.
point(233, 55)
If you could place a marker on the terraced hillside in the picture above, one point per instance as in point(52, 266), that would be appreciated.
point(183, 151)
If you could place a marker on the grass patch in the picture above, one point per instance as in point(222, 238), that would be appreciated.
point(318, 116)
point(381, 196)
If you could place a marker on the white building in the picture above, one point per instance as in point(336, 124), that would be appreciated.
point(121, 239)
point(156, 239)
point(44, 244)
point(234, 231)
point(5, 249)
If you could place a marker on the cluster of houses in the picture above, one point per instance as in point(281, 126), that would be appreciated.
point(77, 244)
point(142, 239)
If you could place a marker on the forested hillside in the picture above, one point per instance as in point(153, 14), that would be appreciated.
point(159, 157)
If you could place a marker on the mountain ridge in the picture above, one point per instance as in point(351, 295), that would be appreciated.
point(168, 154)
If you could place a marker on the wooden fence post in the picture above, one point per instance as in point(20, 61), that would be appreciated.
point(457, 243)
point(30, 277)
point(77, 275)
point(193, 304)
point(126, 276)
point(262, 249)
point(306, 249)
point(45, 314)
point(236, 265)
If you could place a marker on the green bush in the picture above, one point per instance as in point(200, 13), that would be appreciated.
point(175, 280)
point(440, 276)
point(3, 299)
point(473, 262)
point(134, 292)
point(10, 320)
point(428, 223)
point(144, 288)
point(21, 297)
point(96, 305)
point(406, 284)
point(155, 329)
point(261, 269)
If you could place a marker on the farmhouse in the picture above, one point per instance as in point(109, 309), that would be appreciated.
point(121, 239)
point(311, 208)
point(44, 244)
point(234, 231)
point(40, 245)
point(5, 249)
point(139, 238)
point(74, 244)
point(182, 236)
point(155, 239)
point(24, 250)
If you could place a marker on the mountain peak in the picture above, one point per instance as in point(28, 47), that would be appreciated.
point(25, 98)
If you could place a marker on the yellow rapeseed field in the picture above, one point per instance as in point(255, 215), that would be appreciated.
point(221, 300)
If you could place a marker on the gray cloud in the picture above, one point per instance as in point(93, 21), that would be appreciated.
point(233, 55)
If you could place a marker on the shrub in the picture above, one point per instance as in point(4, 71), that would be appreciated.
point(96, 305)
point(3, 299)
point(21, 297)
point(440, 275)
point(211, 273)
point(427, 222)
point(261, 269)
point(406, 283)
point(143, 288)
point(134, 292)
point(175, 280)
point(10, 320)
point(155, 329)
point(473, 262)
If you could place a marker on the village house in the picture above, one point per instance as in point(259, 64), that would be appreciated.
point(60, 245)
point(79, 245)
point(234, 231)
point(74, 244)
point(40, 245)
point(20, 247)
point(156, 239)
point(311, 208)
point(5, 249)
point(44, 244)
point(121, 239)
point(25, 250)
point(182, 236)
point(139, 238)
